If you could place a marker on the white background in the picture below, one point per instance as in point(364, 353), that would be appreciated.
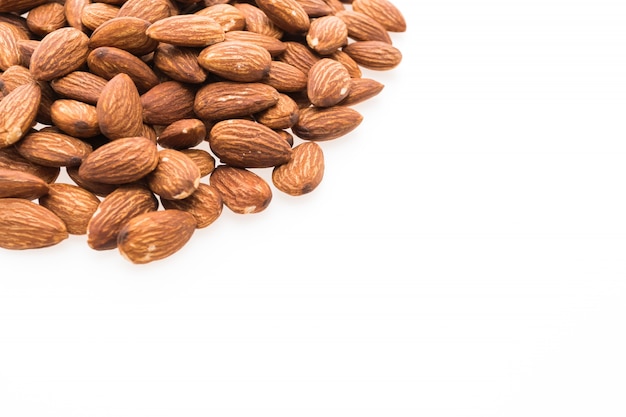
point(465, 254)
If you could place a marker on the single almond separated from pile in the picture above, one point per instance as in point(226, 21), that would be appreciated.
point(123, 95)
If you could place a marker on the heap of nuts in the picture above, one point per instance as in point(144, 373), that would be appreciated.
point(122, 94)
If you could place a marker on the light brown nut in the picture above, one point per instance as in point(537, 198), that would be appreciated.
point(119, 108)
point(18, 111)
point(98, 188)
point(374, 55)
point(285, 77)
point(148, 10)
point(382, 11)
point(15, 20)
point(328, 83)
point(107, 62)
point(13, 77)
point(168, 102)
point(362, 27)
point(27, 225)
point(79, 85)
point(361, 89)
point(183, 134)
point(9, 37)
point(303, 173)
point(203, 159)
point(186, 30)
point(59, 53)
point(227, 99)
point(287, 136)
point(46, 18)
point(274, 46)
point(335, 5)
point(26, 48)
point(281, 115)
point(205, 204)
point(115, 210)
point(258, 22)
point(120, 162)
point(53, 149)
point(316, 8)
point(179, 63)
point(226, 15)
point(299, 55)
point(156, 235)
point(236, 61)
point(19, 6)
point(19, 184)
point(326, 123)
point(73, 10)
point(149, 132)
point(327, 34)
point(11, 159)
point(127, 33)
point(353, 68)
point(73, 204)
point(242, 191)
point(175, 177)
point(75, 118)
point(247, 144)
point(286, 14)
point(95, 14)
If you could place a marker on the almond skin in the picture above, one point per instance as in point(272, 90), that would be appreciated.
point(73, 204)
point(46, 18)
point(175, 177)
point(374, 55)
point(361, 89)
point(183, 134)
point(327, 34)
point(303, 173)
point(328, 83)
point(10, 35)
point(73, 13)
point(247, 144)
point(27, 225)
point(79, 85)
point(120, 162)
point(19, 184)
point(115, 210)
point(186, 30)
point(205, 204)
point(119, 109)
point(179, 63)
point(54, 149)
point(155, 235)
point(242, 191)
point(299, 55)
point(236, 61)
point(59, 53)
point(168, 102)
point(227, 99)
point(75, 118)
point(107, 62)
point(281, 115)
point(326, 123)
point(18, 111)
point(95, 14)
point(286, 14)
point(98, 188)
point(17, 6)
point(382, 11)
point(127, 33)
point(285, 78)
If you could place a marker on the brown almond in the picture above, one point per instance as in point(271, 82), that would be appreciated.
point(186, 30)
point(75, 118)
point(59, 53)
point(327, 34)
point(13, 77)
point(9, 37)
point(156, 235)
point(19, 184)
point(353, 68)
point(362, 27)
point(285, 78)
point(148, 10)
point(316, 8)
point(46, 18)
point(205, 204)
point(303, 173)
point(19, 6)
point(11, 159)
point(328, 83)
point(288, 15)
point(382, 11)
point(115, 210)
point(183, 134)
point(374, 55)
point(122, 161)
point(361, 89)
point(227, 99)
point(73, 10)
point(316, 123)
point(53, 149)
point(98, 188)
point(79, 85)
point(107, 62)
point(226, 15)
point(18, 111)
point(242, 191)
point(247, 144)
point(335, 5)
point(26, 48)
point(119, 108)
point(168, 102)
point(27, 225)
point(127, 33)
point(236, 61)
point(73, 204)
point(179, 63)
point(257, 21)
point(175, 177)
point(274, 46)
point(281, 115)
point(203, 159)
point(95, 14)
point(299, 55)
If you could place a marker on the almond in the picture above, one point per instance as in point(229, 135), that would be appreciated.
point(19, 184)
point(115, 210)
point(79, 85)
point(107, 62)
point(299, 55)
point(328, 83)
point(59, 53)
point(95, 14)
point(183, 134)
point(326, 123)
point(281, 115)
point(53, 149)
point(203, 159)
point(175, 177)
point(362, 27)
point(18, 111)
point(119, 108)
point(155, 235)
point(179, 63)
point(226, 99)
point(27, 225)
point(286, 14)
point(226, 15)
point(186, 30)
point(127, 33)
point(19, 6)
point(98, 188)
point(374, 55)
point(257, 21)
point(242, 191)
point(274, 46)
point(344, 59)
point(303, 173)
point(361, 89)
point(73, 10)
point(382, 11)
point(46, 18)
point(168, 102)
point(205, 204)
point(247, 144)
point(236, 61)
point(315, 8)
point(327, 34)
point(9, 37)
point(73, 204)
point(148, 10)
point(285, 78)
point(75, 118)
point(11, 159)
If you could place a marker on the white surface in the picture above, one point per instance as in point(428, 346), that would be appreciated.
point(465, 254)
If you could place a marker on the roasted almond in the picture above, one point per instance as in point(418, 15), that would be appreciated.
point(73, 204)
point(27, 225)
point(328, 83)
point(315, 8)
point(299, 55)
point(75, 118)
point(179, 63)
point(59, 53)
point(107, 62)
point(382, 11)
point(286, 14)
point(281, 115)
point(127, 33)
point(9, 37)
point(374, 55)
point(19, 184)
point(19, 6)
point(205, 204)
point(79, 85)
point(183, 134)
point(316, 123)
point(175, 177)
point(227, 99)
point(242, 191)
point(361, 89)
point(73, 10)
point(186, 30)
point(236, 61)
point(95, 14)
point(155, 235)
point(285, 78)
point(52, 148)
point(303, 173)
point(98, 188)
point(168, 102)
point(18, 111)
point(119, 108)
point(327, 34)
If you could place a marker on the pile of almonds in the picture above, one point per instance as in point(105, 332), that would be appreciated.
point(122, 94)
